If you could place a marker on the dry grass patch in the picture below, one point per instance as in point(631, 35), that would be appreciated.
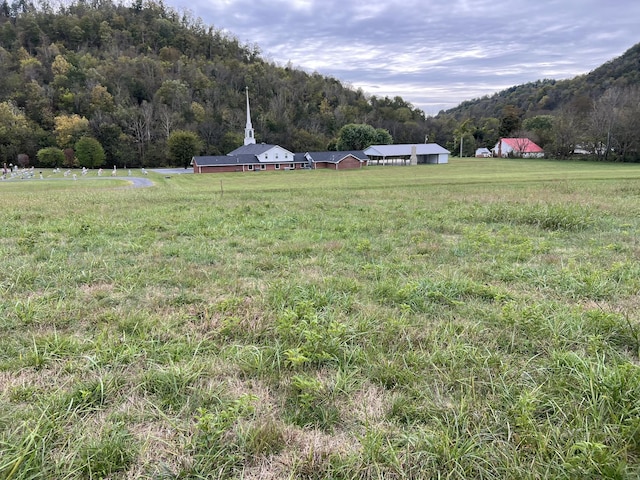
point(162, 450)
point(310, 452)
point(97, 290)
point(265, 402)
point(366, 405)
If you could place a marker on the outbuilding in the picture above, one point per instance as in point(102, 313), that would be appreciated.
point(407, 154)
point(338, 160)
point(483, 153)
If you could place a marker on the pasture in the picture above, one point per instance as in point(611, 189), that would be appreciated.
point(475, 320)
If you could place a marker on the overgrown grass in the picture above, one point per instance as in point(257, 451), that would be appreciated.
point(471, 320)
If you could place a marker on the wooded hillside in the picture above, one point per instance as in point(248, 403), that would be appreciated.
point(549, 96)
point(597, 114)
point(130, 75)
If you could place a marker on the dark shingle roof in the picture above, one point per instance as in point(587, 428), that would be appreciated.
point(220, 160)
point(335, 157)
point(252, 149)
point(243, 159)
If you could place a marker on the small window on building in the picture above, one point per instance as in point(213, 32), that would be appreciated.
point(276, 155)
point(292, 166)
point(266, 156)
point(277, 166)
point(250, 167)
point(263, 167)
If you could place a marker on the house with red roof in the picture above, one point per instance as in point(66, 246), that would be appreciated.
point(517, 147)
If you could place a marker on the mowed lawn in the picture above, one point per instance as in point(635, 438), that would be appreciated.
point(474, 320)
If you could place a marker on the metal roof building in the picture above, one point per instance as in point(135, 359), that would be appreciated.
point(412, 154)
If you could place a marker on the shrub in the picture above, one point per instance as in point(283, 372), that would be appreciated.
point(50, 157)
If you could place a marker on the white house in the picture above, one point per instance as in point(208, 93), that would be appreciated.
point(483, 153)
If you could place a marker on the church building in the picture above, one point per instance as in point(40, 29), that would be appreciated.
point(252, 157)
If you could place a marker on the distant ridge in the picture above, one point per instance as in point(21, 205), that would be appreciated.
point(547, 96)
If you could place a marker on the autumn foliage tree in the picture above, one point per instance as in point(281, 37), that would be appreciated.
point(138, 71)
point(14, 131)
point(69, 129)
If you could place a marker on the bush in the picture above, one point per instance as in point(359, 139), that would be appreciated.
point(50, 157)
point(23, 160)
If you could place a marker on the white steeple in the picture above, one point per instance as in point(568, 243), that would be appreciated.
point(249, 137)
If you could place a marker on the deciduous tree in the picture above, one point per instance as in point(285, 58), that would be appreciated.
point(565, 134)
point(540, 128)
point(383, 137)
point(69, 129)
point(14, 130)
point(356, 137)
point(183, 145)
point(89, 153)
point(510, 121)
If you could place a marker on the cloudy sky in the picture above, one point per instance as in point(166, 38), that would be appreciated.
point(433, 53)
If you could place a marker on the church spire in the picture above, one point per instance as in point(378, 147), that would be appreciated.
point(249, 137)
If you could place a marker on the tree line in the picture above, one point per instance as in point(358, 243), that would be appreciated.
point(130, 76)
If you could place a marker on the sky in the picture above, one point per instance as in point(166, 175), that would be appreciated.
point(435, 54)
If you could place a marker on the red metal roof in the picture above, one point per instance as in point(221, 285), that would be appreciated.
point(523, 145)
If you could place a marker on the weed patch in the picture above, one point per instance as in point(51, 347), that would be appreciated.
point(552, 217)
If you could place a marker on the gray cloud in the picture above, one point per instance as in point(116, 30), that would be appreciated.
point(434, 54)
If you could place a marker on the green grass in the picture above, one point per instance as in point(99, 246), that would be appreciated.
point(478, 319)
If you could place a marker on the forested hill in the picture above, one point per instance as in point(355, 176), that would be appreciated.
point(129, 75)
point(550, 96)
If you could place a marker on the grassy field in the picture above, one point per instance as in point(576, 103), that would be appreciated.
point(475, 320)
